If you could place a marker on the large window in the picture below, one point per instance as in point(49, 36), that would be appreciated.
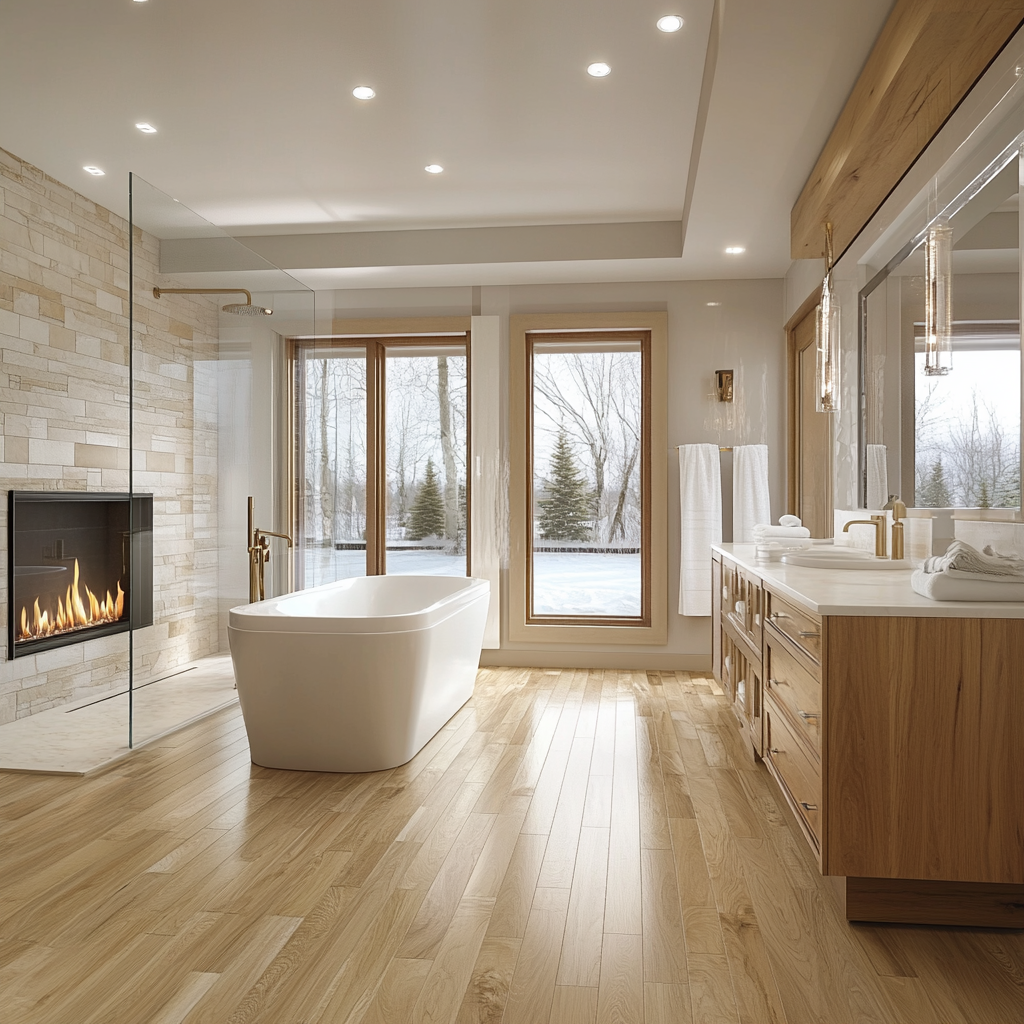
point(379, 457)
point(589, 470)
point(588, 478)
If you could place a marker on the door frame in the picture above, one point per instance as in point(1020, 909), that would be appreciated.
point(794, 480)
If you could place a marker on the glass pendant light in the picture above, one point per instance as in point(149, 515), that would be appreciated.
point(938, 299)
point(827, 392)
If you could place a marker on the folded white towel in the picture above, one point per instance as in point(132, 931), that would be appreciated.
point(750, 502)
point(763, 530)
point(788, 520)
point(965, 562)
point(940, 586)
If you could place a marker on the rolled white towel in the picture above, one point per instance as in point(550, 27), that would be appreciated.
point(763, 530)
point(965, 562)
point(788, 520)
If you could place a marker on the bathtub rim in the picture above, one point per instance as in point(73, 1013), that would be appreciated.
point(263, 616)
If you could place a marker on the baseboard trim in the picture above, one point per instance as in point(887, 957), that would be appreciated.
point(596, 659)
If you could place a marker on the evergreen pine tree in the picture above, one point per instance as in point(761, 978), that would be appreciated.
point(984, 500)
point(935, 492)
point(1008, 491)
point(426, 516)
point(567, 512)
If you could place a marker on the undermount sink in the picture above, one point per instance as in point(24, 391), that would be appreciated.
point(842, 558)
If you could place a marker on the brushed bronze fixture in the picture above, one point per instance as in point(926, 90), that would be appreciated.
point(259, 555)
point(237, 308)
point(899, 512)
point(724, 385)
point(878, 522)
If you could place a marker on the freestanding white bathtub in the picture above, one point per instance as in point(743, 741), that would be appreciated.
point(356, 676)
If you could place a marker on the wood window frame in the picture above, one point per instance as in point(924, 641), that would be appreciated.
point(652, 626)
point(374, 337)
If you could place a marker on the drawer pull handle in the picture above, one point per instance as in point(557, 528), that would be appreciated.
point(808, 807)
point(775, 750)
point(778, 615)
point(807, 633)
point(807, 714)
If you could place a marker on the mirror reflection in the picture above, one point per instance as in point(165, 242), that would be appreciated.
point(943, 431)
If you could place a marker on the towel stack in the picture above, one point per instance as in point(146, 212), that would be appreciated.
point(964, 573)
point(789, 534)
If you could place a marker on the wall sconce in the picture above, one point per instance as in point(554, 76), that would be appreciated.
point(723, 385)
point(938, 299)
point(827, 391)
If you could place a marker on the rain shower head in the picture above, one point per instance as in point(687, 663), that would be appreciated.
point(246, 309)
point(236, 308)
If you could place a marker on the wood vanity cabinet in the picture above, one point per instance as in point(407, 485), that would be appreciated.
point(741, 618)
point(898, 744)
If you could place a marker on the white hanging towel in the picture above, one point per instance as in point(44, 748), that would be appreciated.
point(700, 508)
point(878, 476)
point(750, 501)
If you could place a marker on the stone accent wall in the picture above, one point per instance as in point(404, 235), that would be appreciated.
point(64, 420)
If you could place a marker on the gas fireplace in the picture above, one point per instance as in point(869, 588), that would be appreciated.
point(74, 567)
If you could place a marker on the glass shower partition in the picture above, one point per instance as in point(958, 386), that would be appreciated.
point(210, 324)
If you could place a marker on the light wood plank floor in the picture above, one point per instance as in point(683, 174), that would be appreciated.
point(575, 847)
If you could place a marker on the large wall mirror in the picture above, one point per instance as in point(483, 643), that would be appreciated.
point(942, 428)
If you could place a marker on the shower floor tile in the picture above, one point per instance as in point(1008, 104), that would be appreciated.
point(77, 739)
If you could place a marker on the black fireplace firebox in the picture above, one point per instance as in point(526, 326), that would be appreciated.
point(74, 569)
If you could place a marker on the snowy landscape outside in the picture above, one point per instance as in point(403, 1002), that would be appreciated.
point(586, 454)
point(967, 427)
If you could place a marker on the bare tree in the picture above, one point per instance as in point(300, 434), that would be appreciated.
point(451, 486)
point(589, 422)
point(326, 482)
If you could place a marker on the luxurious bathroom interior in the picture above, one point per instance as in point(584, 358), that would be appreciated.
point(524, 614)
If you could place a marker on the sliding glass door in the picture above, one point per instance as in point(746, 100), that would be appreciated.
point(379, 457)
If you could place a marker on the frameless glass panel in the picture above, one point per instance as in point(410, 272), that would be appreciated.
point(331, 406)
point(587, 453)
point(425, 389)
point(210, 327)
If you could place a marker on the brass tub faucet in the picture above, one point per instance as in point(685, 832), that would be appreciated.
point(259, 555)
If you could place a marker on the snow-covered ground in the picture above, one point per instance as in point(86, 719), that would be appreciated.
point(565, 583)
point(582, 583)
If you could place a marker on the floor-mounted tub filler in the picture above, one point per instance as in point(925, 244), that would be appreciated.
point(356, 676)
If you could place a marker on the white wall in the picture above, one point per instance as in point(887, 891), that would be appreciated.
point(743, 332)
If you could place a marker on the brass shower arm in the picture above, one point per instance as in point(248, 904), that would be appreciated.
point(157, 292)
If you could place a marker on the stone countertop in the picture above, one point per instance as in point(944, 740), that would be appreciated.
point(861, 591)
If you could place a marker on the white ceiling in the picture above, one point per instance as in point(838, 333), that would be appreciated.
point(259, 133)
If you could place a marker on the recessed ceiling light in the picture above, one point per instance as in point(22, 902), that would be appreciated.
point(735, 250)
point(146, 128)
point(363, 92)
point(90, 169)
point(140, 1)
point(433, 168)
point(670, 23)
point(599, 70)
point(714, 303)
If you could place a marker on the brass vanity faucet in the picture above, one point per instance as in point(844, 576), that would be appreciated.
point(899, 512)
point(259, 555)
point(878, 522)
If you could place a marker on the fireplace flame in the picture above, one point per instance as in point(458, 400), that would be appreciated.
point(72, 612)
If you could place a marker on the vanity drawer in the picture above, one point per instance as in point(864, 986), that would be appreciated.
point(798, 624)
point(798, 773)
point(795, 689)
